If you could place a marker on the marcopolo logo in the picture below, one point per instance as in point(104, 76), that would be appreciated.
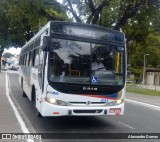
point(54, 93)
point(90, 88)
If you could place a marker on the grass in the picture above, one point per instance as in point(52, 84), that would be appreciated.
point(133, 88)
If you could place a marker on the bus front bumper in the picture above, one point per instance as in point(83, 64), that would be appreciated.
point(55, 110)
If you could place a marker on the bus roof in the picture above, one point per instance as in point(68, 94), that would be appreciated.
point(61, 27)
point(84, 25)
point(87, 31)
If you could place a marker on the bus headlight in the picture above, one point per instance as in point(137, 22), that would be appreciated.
point(118, 102)
point(55, 101)
point(52, 100)
point(114, 103)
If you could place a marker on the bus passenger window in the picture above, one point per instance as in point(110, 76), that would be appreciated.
point(33, 56)
point(25, 60)
point(36, 59)
point(29, 60)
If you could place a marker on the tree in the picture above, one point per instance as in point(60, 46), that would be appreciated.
point(139, 30)
point(92, 11)
point(19, 20)
point(86, 10)
point(149, 46)
point(4, 28)
point(152, 47)
point(138, 19)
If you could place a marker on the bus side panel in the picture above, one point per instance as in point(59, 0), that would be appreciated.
point(20, 76)
point(34, 77)
point(39, 93)
point(25, 73)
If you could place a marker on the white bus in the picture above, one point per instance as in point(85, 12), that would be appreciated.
point(74, 69)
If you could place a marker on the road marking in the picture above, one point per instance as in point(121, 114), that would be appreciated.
point(154, 107)
point(126, 125)
point(19, 118)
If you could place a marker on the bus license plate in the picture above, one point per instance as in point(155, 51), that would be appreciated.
point(115, 110)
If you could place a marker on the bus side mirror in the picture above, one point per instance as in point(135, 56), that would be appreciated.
point(45, 43)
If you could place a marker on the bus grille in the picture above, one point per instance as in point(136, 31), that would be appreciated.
point(87, 103)
point(88, 111)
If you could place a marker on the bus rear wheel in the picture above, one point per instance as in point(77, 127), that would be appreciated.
point(23, 94)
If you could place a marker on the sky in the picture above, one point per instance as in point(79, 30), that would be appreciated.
point(14, 51)
point(60, 1)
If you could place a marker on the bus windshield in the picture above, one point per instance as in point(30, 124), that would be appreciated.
point(80, 62)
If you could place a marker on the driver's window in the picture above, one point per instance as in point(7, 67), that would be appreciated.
point(97, 64)
point(98, 57)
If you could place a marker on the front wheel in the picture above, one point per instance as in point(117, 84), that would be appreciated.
point(24, 94)
point(38, 114)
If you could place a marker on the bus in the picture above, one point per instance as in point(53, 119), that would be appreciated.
point(74, 69)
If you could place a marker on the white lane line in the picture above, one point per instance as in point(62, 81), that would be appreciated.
point(126, 125)
point(154, 107)
point(19, 118)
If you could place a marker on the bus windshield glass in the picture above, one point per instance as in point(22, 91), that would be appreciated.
point(80, 62)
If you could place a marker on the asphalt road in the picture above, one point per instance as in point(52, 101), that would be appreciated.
point(137, 119)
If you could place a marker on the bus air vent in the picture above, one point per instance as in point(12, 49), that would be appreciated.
point(88, 111)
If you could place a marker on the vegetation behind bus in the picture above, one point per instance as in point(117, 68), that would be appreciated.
point(138, 19)
point(137, 89)
point(21, 20)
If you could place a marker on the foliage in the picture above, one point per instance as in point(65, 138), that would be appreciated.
point(143, 38)
point(153, 48)
point(19, 20)
point(99, 12)
point(138, 19)
point(86, 10)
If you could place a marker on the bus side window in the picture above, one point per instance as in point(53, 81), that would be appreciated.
point(36, 58)
point(33, 56)
point(25, 59)
point(40, 69)
point(20, 60)
point(29, 59)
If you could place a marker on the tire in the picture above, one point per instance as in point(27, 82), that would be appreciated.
point(23, 94)
point(38, 114)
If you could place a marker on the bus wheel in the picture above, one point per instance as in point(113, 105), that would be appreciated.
point(38, 114)
point(23, 94)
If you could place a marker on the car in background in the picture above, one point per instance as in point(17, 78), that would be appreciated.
point(4, 69)
point(13, 68)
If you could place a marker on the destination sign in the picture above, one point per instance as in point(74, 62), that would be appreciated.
point(87, 32)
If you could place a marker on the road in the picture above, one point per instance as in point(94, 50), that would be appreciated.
point(137, 119)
